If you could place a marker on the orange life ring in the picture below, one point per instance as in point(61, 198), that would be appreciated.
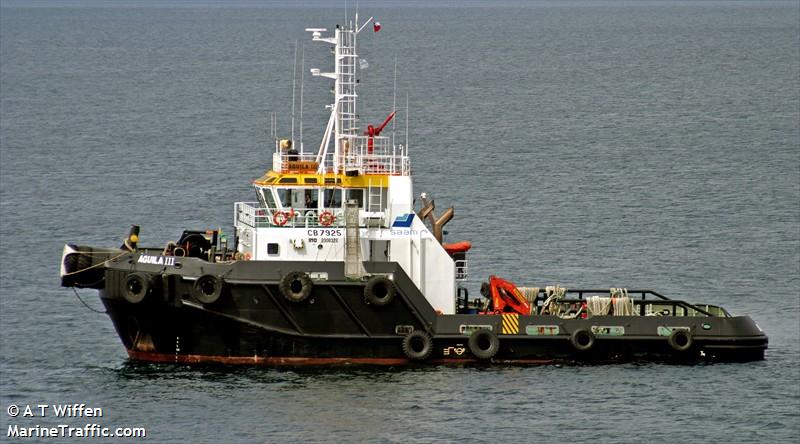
point(280, 218)
point(247, 256)
point(326, 219)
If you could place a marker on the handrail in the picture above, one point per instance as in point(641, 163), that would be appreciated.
point(365, 154)
point(254, 215)
point(461, 269)
point(643, 293)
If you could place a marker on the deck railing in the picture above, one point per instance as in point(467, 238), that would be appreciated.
point(253, 215)
point(360, 154)
point(461, 270)
point(657, 304)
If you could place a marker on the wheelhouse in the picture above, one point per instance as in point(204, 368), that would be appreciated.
point(309, 200)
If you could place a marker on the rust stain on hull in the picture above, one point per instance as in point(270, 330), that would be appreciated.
point(301, 361)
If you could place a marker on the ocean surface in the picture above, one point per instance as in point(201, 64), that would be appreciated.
point(638, 144)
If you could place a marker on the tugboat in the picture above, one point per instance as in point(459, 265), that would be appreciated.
point(332, 264)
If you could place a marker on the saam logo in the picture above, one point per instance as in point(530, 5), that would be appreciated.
point(403, 221)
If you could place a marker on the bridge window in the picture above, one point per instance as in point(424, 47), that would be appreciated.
point(260, 197)
point(333, 198)
point(355, 194)
point(288, 197)
point(311, 199)
point(265, 197)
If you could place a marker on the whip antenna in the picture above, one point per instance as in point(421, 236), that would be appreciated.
point(294, 78)
point(394, 96)
point(407, 113)
point(302, 68)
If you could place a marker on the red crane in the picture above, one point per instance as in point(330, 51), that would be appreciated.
point(506, 298)
point(373, 132)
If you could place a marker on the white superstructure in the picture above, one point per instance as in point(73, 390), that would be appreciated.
point(300, 212)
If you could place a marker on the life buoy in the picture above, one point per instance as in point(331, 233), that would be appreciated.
point(379, 291)
point(326, 218)
point(680, 340)
point(582, 339)
point(137, 285)
point(296, 286)
point(483, 344)
point(207, 288)
point(280, 218)
point(418, 345)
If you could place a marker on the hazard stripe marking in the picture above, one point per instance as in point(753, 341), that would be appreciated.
point(510, 324)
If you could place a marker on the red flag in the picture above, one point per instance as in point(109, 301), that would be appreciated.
point(376, 26)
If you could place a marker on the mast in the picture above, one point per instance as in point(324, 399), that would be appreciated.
point(343, 124)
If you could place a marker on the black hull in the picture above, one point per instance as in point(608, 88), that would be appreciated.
point(251, 322)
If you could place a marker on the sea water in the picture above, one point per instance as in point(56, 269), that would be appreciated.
point(638, 144)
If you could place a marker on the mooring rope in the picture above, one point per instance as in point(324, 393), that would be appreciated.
point(622, 303)
point(85, 304)
point(554, 295)
point(598, 305)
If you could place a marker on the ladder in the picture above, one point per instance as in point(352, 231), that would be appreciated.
point(374, 205)
point(353, 267)
point(346, 83)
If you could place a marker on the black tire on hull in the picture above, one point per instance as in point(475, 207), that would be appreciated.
point(483, 344)
point(680, 340)
point(78, 261)
point(80, 270)
point(296, 286)
point(137, 286)
point(582, 339)
point(418, 345)
point(379, 291)
point(207, 288)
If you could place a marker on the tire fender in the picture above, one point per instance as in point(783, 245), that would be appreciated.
point(207, 288)
point(680, 340)
point(136, 287)
point(582, 339)
point(379, 291)
point(418, 345)
point(483, 344)
point(296, 286)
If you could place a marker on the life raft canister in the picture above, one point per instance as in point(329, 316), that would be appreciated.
point(418, 345)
